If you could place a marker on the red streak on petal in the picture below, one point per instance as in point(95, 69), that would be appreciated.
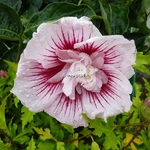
point(103, 95)
point(57, 44)
point(40, 76)
point(97, 98)
point(75, 40)
point(50, 89)
point(62, 42)
point(113, 91)
point(69, 104)
point(93, 97)
point(82, 37)
point(90, 48)
point(67, 43)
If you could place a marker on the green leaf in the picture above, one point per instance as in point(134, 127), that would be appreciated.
point(2, 113)
point(12, 67)
point(115, 17)
point(31, 11)
point(68, 128)
point(143, 69)
point(3, 82)
point(31, 145)
point(60, 146)
point(145, 5)
point(137, 88)
point(21, 139)
point(10, 26)
point(9, 53)
point(70, 146)
point(145, 139)
point(56, 129)
point(4, 146)
point(136, 100)
point(46, 145)
point(15, 4)
point(111, 141)
point(97, 125)
point(147, 86)
point(16, 101)
point(142, 59)
point(13, 129)
point(28, 14)
point(36, 3)
point(44, 134)
point(148, 131)
point(94, 146)
point(104, 15)
point(85, 131)
point(83, 146)
point(94, 4)
point(100, 127)
point(141, 62)
point(138, 103)
point(55, 11)
point(139, 39)
point(3, 51)
point(145, 111)
point(119, 18)
point(26, 117)
point(16, 134)
point(75, 136)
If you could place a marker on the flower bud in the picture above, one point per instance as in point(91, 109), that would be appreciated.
point(145, 110)
point(2, 74)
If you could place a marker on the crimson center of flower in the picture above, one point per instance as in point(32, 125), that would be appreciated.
point(80, 71)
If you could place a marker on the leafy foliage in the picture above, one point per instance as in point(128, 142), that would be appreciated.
point(24, 130)
point(11, 26)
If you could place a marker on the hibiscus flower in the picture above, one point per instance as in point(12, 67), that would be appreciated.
point(69, 68)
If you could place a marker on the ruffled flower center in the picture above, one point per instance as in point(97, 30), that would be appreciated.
point(83, 74)
point(81, 70)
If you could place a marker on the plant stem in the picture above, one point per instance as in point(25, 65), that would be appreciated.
point(80, 1)
point(97, 17)
point(13, 144)
point(135, 135)
point(134, 124)
point(127, 121)
point(82, 137)
point(5, 134)
point(79, 138)
point(19, 50)
point(143, 95)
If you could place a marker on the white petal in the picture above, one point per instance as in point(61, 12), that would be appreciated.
point(31, 86)
point(118, 51)
point(69, 87)
point(62, 35)
point(113, 98)
point(67, 111)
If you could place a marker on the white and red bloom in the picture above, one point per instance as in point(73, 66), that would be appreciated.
point(69, 68)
